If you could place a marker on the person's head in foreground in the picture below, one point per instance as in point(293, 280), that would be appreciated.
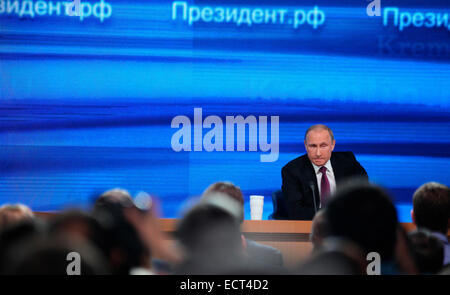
point(427, 250)
point(360, 219)
point(227, 188)
point(431, 207)
point(125, 248)
point(211, 239)
point(259, 255)
point(11, 214)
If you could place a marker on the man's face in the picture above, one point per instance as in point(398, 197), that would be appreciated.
point(319, 146)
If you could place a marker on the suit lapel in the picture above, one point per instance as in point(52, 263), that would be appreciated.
point(310, 176)
point(338, 169)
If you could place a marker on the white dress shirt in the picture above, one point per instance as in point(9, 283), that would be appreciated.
point(330, 176)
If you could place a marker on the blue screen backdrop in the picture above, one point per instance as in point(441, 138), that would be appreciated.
point(86, 102)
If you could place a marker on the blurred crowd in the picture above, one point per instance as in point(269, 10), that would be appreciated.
point(123, 235)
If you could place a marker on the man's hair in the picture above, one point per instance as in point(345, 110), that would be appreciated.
point(11, 214)
point(431, 203)
point(211, 238)
point(120, 233)
point(116, 195)
point(363, 213)
point(227, 188)
point(320, 126)
point(199, 227)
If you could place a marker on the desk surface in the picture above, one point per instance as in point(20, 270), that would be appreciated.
point(256, 226)
point(269, 226)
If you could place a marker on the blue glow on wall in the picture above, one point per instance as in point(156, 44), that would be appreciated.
point(86, 105)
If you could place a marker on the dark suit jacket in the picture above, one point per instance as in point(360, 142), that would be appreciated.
point(298, 175)
point(263, 254)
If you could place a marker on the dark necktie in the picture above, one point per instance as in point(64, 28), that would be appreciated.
point(324, 186)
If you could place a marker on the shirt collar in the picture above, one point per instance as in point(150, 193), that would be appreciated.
point(327, 165)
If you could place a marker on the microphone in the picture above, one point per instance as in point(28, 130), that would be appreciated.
point(311, 186)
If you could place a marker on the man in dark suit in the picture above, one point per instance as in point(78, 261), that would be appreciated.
point(309, 180)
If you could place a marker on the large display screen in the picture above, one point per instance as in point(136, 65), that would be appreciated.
point(168, 97)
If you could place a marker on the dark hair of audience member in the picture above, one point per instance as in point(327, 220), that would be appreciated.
point(260, 257)
point(330, 256)
point(126, 250)
point(14, 236)
point(431, 203)
point(363, 213)
point(427, 250)
point(211, 239)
